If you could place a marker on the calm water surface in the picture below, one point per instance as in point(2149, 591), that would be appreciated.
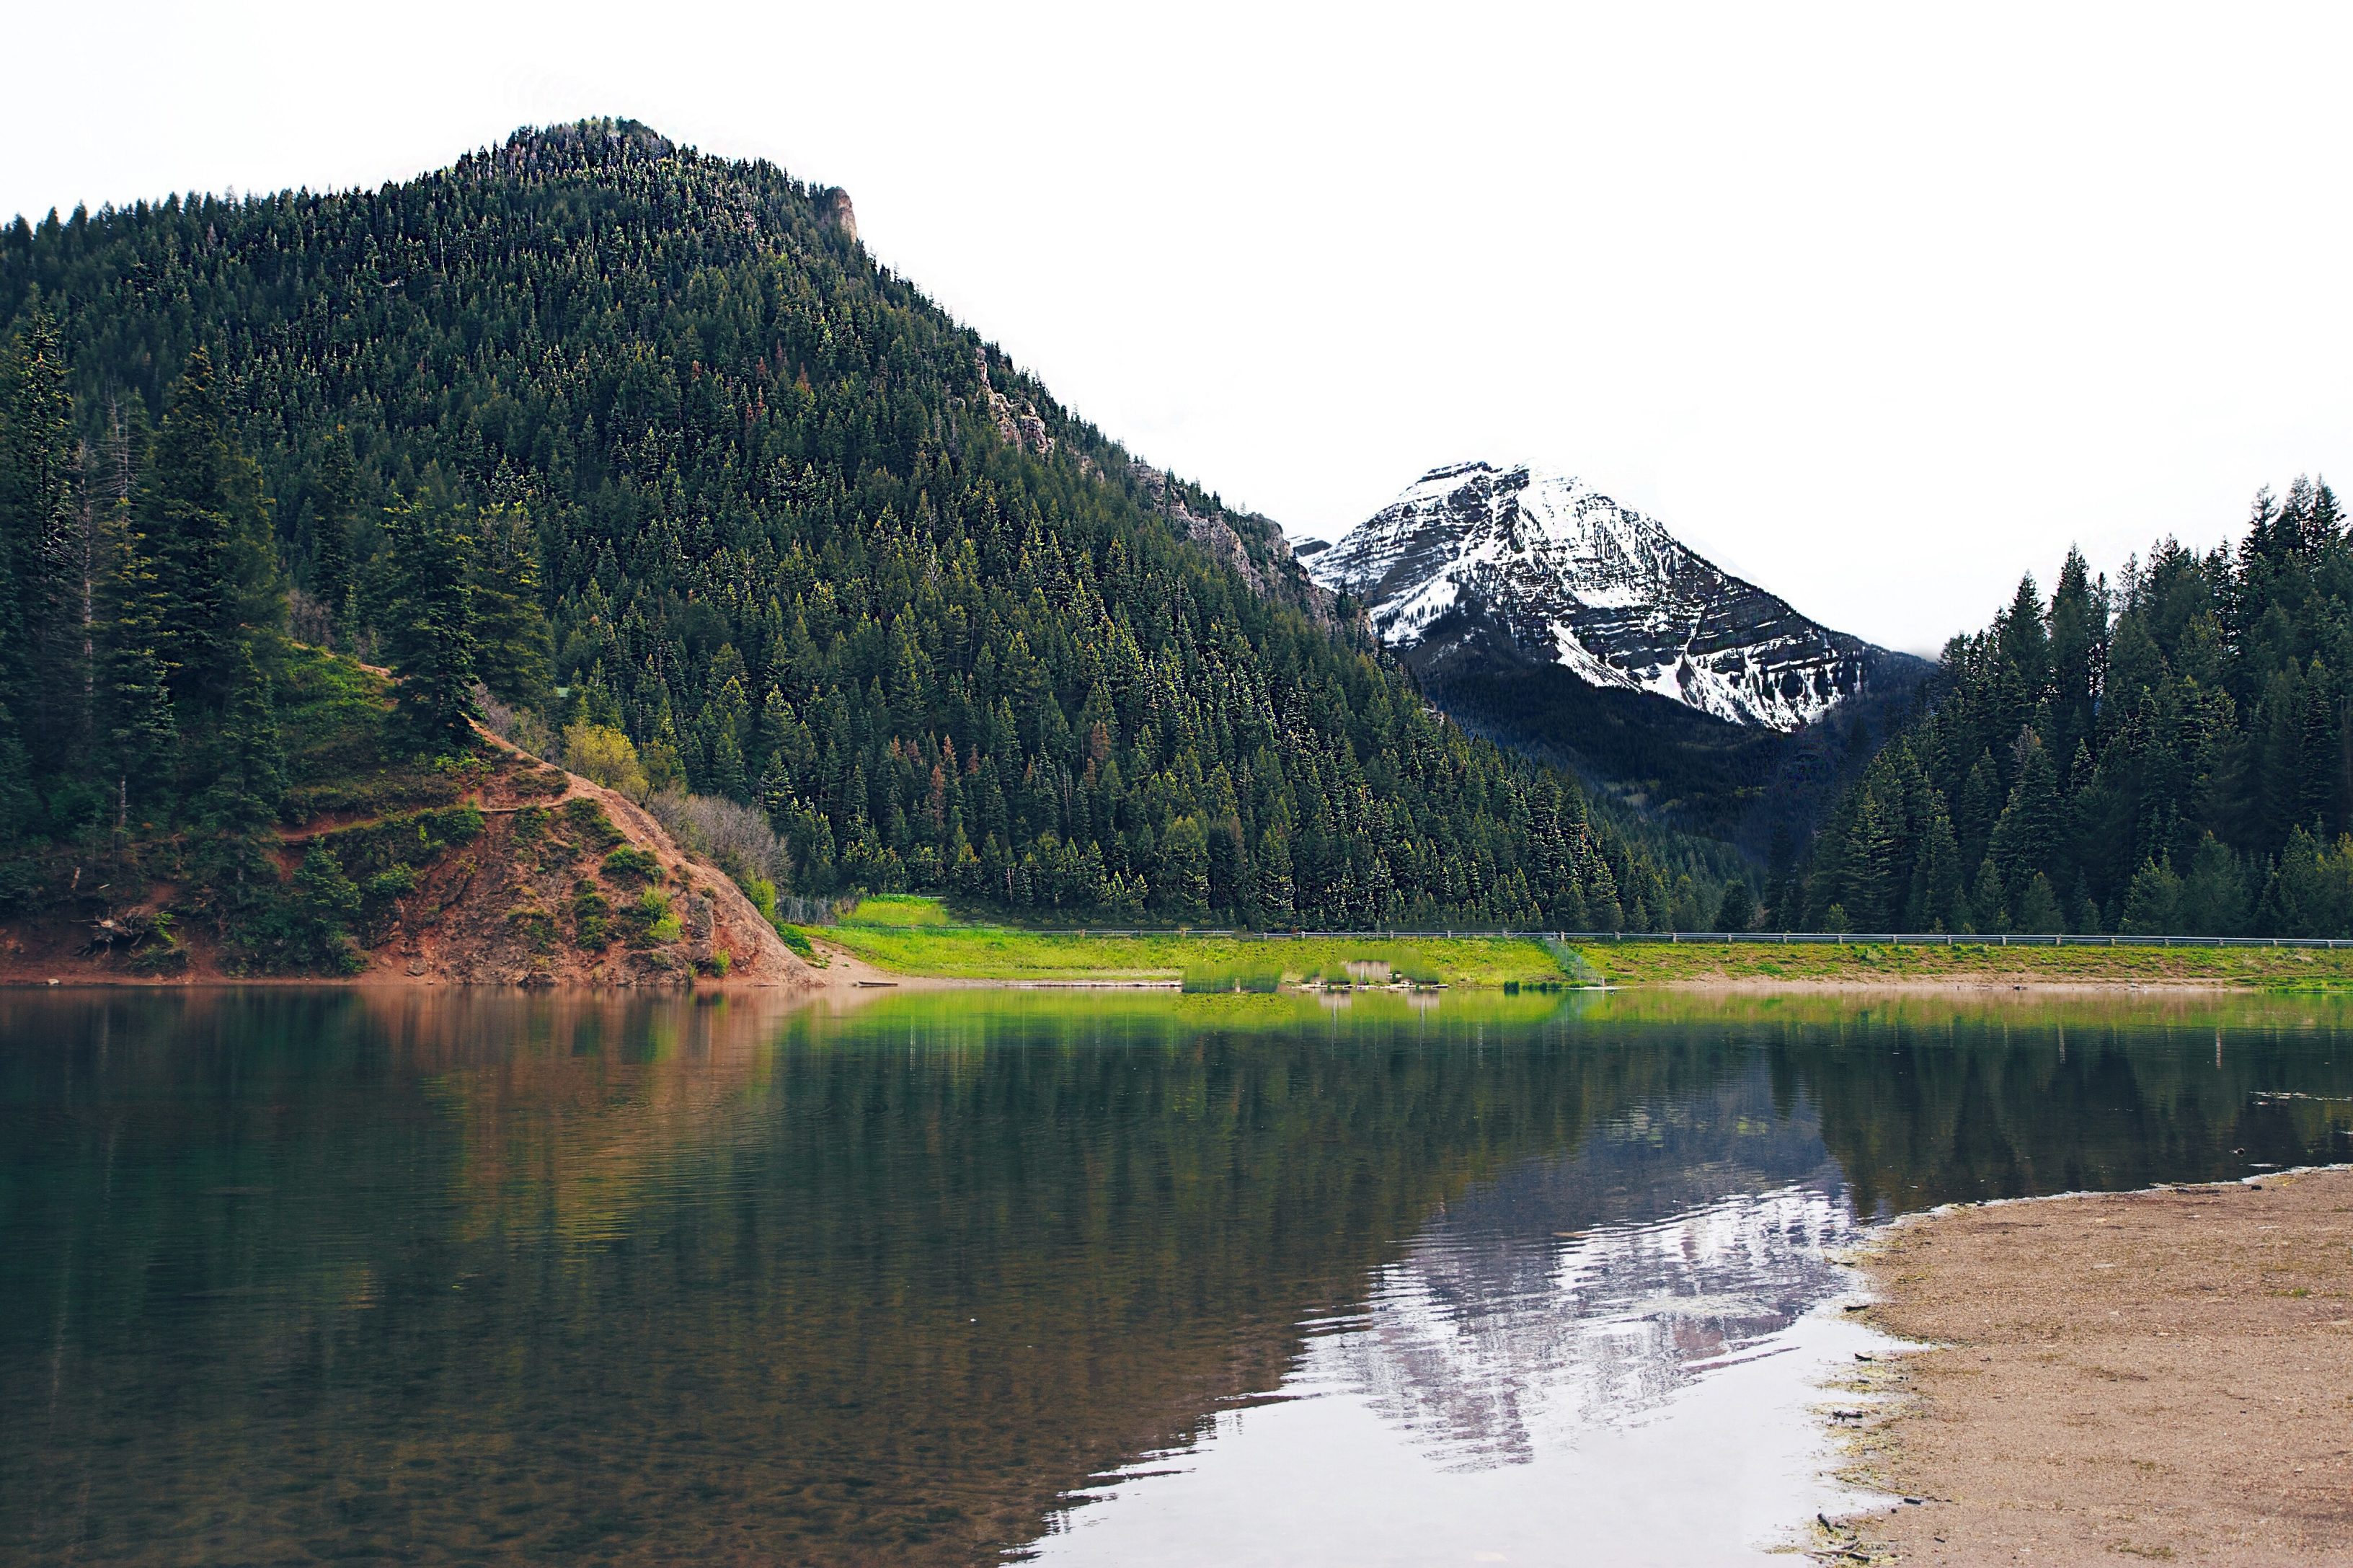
point(295, 1277)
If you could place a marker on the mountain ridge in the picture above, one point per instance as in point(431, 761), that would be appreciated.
point(1535, 559)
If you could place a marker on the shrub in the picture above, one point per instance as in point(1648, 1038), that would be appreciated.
point(324, 903)
point(592, 917)
point(601, 752)
point(585, 817)
point(648, 919)
point(519, 727)
point(413, 838)
point(629, 865)
point(535, 926)
point(732, 837)
point(539, 781)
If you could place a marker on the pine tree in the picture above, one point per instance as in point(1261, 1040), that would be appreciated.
point(185, 518)
point(41, 670)
point(431, 630)
point(249, 775)
point(2032, 828)
point(1989, 906)
point(335, 512)
point(514, 649)
point(2038, 911)
point(138, 733)
point(2079, 618)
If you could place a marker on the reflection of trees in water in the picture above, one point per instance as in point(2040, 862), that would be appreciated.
point(502, 1276)
point(1930, 1098)
point(1920, 1117)
point(458, 1274)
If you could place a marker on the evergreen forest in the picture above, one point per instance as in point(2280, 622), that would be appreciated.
point(635, 455)
point(2167, 755)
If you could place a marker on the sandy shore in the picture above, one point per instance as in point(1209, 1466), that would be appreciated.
point(2160, 1376)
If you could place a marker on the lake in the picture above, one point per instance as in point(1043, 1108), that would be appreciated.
point(292, 1276)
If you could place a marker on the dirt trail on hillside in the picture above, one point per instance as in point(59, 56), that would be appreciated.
point(527, 901)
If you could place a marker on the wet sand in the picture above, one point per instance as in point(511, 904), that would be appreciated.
point(2157, 1376)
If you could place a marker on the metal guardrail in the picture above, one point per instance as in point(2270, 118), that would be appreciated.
point(1884, 939)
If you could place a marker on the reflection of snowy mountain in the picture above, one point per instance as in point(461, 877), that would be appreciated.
point(1486, 1354)
point(1614, 1349)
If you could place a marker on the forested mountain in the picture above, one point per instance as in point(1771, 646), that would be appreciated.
point(2167, 755)
point(645, 443)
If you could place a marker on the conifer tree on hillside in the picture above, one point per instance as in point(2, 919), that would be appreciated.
point(432, 637)
point(335, 513)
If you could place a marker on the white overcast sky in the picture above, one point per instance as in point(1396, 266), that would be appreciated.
point(1879, 305)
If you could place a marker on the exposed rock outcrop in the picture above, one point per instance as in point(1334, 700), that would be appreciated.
point(1542, 567)
point(1251, 544)
point(833, 206)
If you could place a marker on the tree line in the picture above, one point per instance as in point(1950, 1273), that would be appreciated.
point(2167, 755)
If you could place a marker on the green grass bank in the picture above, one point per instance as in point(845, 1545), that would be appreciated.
point(919, 936)
point(2258, 968)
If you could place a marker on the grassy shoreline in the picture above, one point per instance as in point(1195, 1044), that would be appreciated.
point(989, 953)
point(918, 937)
point(1873, 964)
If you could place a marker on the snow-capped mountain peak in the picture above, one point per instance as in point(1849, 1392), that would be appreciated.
point(1566, 575)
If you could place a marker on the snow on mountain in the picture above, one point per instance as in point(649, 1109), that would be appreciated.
point(1566, 572)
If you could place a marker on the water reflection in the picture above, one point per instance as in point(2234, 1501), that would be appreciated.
point(444, 1276)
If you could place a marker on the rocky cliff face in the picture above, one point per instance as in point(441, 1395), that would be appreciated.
point(1253, 545)
point(1539, 567)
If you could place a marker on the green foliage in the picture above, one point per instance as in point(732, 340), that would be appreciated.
point(585, 819)
point(2167, 757)
point(896, 909)
point(592, 917)
point(410, 839)
point(647, 919)
point(632, 866)
point(540, 781)
point(535, 925)
point(603, 754)
point(514, 649)
point(323, 905)
point(157, 950)
point(433, 639)
point(766, 505)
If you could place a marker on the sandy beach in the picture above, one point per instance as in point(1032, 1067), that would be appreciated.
point(2155, 1376)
